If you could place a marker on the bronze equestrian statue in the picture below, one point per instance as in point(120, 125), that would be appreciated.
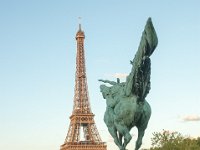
point(126, 103)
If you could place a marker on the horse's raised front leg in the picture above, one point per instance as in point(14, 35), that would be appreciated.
point(120, 138)
point(113, 132)
point(123, 130)
point(127, 139)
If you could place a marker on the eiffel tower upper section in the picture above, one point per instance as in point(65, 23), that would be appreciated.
point(81, 96)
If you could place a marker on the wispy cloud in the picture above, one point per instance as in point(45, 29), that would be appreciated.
point(189, 118)
point(120, 75)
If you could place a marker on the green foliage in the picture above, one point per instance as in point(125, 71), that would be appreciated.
point(173, 141)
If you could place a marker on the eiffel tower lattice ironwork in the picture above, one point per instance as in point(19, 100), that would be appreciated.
point(82, 118)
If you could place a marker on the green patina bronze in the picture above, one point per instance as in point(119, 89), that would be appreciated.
point(126, 103)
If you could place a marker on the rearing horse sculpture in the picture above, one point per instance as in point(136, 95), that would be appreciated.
point(126, 104)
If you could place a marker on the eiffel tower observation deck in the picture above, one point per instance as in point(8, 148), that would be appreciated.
point(82, 133)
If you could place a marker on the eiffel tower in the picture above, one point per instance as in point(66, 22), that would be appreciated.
point(82, 118)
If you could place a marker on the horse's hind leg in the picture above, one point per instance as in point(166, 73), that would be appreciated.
point(142, 124)
point(139, 139)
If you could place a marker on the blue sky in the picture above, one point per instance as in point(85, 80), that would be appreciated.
point(37, 62)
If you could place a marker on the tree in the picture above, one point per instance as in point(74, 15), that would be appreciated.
point(167, 140)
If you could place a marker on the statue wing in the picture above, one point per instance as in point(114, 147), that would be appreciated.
point(138, 81)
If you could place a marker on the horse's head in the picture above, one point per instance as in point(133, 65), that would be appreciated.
point(104, 90)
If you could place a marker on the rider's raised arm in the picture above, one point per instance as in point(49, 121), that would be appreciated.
point(107, 81)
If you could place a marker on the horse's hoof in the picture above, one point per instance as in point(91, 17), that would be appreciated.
point(121, 148)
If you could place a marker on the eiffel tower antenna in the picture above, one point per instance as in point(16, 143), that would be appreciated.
point(79, 22)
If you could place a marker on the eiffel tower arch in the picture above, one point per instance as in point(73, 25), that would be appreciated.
point(82, 118)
